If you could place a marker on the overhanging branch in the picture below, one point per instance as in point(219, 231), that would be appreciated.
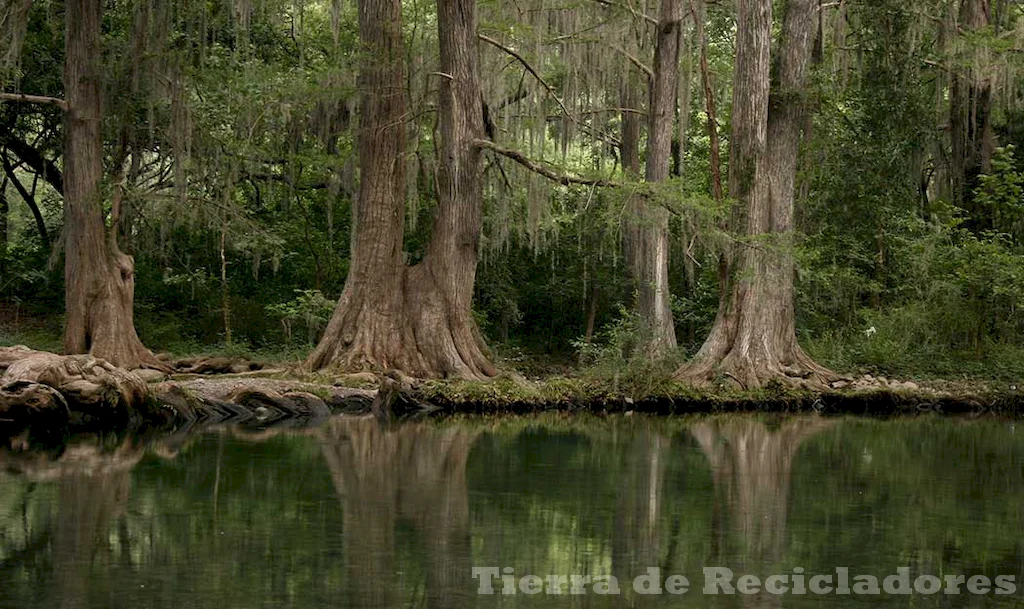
point(529, 68)
point(540, 168)
point(35, 99)
point(550, 91)
point(635, 61)
point(32, 157)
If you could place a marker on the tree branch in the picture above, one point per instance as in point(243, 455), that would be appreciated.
point(35, 99)
point(29, 199)
point(550, 90)
point(537, 167)
point(529, 68)
point(35, 159)
point(634, 60)
point(636, 14)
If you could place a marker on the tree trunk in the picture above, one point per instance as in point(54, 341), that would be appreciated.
point(4, 209)
point(974, 139)
point(647, 235)
point(709, 104)
point(753, 339)
point(367, 328)
point(419, 319)
point(225, 293)
point(629, 137)
point(99, 278)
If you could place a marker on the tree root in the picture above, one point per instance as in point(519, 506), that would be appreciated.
point(748, 372)
point(35, 381)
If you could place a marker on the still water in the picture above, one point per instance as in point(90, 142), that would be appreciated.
point(351, 514)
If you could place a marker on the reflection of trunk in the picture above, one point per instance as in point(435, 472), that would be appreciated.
point(751, 467)
point(88, 504)
point(412, 473)
point(635, 538)
point(93, 489)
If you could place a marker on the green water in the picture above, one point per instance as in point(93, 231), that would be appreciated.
point(354, 515)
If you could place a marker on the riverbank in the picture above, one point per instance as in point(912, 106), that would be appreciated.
point(82, 392)
point(859, 397)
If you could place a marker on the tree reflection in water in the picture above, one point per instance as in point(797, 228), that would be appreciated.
point(751, 464)
point(413, 474)
point(93, 484)
point(355, 514)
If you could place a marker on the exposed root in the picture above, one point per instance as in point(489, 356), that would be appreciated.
point(748, 371)
point(37, 379)
point(423, 335)
point(215, 365)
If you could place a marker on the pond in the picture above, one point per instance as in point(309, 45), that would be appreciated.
point(434, 514)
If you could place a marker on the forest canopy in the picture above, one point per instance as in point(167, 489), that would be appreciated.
point(748, 190)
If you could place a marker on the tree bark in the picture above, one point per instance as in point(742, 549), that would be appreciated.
point(4, 209)
point(418, 319)
point(367, 329)
point(629, 136)
point(647, 234)
point(99, 278)
point(974, 139)
point(753, 339)
point(709, 104)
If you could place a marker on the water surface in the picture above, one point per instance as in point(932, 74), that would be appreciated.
point(352, 514)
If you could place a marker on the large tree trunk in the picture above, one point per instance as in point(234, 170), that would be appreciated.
point(99, 278)
point(440, 292)
point(647, 235)
point(368, 326)
point(974, 139)
point(419, 319)
point(753, 339)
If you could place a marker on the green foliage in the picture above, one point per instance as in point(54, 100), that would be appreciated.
point(309, 307)
point(952, 303)
point(1000, 193)
point(615, 356)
